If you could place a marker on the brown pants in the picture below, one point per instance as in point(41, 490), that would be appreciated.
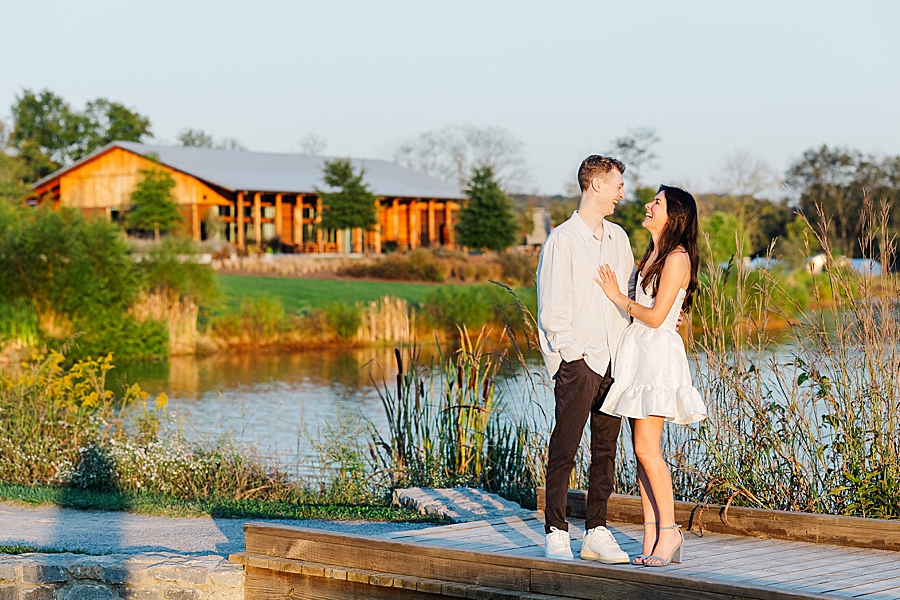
point(580, 392)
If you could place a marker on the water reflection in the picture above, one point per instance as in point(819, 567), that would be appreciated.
point(278, 401)
point(269, 399)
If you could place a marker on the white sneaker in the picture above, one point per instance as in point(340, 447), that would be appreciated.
point(599, 544)
point(557, 545)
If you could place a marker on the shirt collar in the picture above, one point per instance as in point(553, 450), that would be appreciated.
point(585, 231)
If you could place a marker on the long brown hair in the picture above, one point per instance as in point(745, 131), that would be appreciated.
point(680, 230)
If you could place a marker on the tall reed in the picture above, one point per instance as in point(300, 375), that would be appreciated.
point(812, 424)
point(447, 423)
point(19, 322)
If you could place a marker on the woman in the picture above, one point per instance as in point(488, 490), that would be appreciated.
point(652, 380)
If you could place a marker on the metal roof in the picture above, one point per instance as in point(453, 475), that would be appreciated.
point(289, 173)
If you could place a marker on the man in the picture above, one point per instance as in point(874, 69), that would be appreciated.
point(579, 331)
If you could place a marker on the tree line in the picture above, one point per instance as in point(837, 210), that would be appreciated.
point(48, 133)
point(754, 202)
point(756, 205)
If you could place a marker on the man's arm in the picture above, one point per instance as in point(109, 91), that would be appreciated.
point(555, 301)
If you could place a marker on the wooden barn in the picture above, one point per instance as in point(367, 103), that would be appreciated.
point(258, 198)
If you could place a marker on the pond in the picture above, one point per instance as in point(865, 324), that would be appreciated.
point(278, 401)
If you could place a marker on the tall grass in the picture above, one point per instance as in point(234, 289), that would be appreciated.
point(447, 423)
point(19, 322)
point(812, 424)
point(65, 436)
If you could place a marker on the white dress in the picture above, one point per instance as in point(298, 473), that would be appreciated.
point(651, 374)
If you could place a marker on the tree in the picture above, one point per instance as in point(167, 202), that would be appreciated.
point(106, 122)
point(630, 215)
point(153, 205)
point(832, 179)
point(197, 138)
point(487, 221)
point(745, 176)
point(44, 129)
point(561, 208)
point(526, 219)
point(636, 151)
point(726, 237)
point(313, 145)
point(743, 180)
point(351, 205)
point(13, 170)
point(456, 151)
point(48, 133)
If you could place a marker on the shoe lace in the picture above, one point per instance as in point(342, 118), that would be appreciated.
point(603, 532)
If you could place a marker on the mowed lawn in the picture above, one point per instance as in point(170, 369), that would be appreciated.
point(296, 293)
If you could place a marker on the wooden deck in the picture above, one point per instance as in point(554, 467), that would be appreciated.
point(503, 558)
point(777, 565)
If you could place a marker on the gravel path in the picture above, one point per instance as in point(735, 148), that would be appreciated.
point(99, 532)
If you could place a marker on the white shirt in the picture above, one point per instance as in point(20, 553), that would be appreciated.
point(575, 318)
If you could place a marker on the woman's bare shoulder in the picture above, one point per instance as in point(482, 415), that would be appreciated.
point(678, 255)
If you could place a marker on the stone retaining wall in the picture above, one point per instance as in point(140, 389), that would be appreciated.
point(289, 264)
point(154, 576)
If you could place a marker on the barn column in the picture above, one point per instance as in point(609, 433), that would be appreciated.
point(431, 232)
point(395, 220)
point(195, 222)
point(240, 221)
point(379, 210)
point(257, 216)
point(448, 225)
point(318, 219)
point(298, 221)
point(413, 224)
point(278, 228)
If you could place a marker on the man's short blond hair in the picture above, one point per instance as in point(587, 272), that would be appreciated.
point(597, 166)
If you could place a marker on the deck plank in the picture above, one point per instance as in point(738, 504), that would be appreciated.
point(868, 588)
point(843, 585)
point(801, 573)
point(508, 553)
point(818, 568)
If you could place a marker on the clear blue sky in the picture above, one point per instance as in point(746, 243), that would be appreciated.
point(770, 78)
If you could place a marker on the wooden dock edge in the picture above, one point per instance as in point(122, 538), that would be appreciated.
point(880, 534)
point(292, 562)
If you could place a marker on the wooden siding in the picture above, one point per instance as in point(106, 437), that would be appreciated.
point(108, 180)
point(104, 183)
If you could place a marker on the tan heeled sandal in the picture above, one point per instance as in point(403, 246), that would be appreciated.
point(675, 557)
point(639, 559)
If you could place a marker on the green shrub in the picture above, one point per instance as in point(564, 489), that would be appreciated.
point(257, 317)
point(417, 265)
point(117, 333)
point(343, 318)
point(475, 305)
point(19, 321)
point(60, 261)
point(171, 266)
point(517, 268)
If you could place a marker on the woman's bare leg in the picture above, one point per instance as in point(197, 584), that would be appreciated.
point(647, 434)
point(648, 503)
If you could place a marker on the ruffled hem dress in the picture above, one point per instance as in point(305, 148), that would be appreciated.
point(651, 376)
